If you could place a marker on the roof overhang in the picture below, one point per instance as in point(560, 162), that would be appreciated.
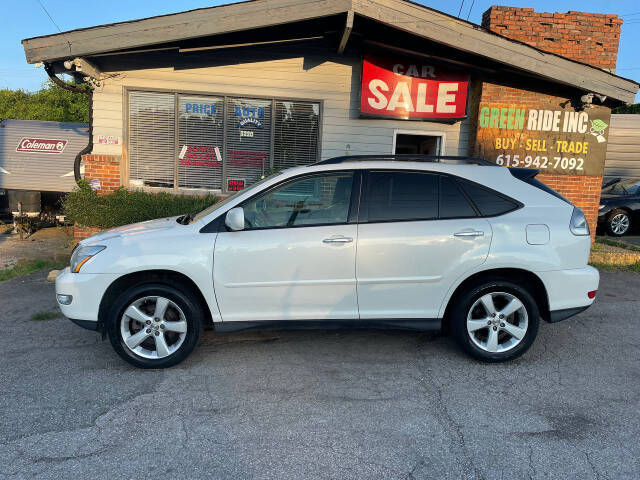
point(402, 15)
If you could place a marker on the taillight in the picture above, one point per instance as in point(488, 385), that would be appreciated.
point(592, 294)
point(578, 224)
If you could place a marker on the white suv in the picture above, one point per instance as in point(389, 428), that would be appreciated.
point(479, 250)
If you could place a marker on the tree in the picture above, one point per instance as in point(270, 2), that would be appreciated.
point(628, 109)
point(51, 102)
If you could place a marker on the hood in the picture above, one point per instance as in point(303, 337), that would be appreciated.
point(134, 229)
point(610, 197)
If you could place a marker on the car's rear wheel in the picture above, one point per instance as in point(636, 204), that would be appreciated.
point(495, 321)
point(154, 325)
point(618, 223)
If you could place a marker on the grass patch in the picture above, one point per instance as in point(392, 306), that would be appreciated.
point(32, 266)
point(44, 315)
point(616, 243)
point(634, 267)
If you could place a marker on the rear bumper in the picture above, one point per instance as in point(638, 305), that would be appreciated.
point(567, 290)
point(559, 315)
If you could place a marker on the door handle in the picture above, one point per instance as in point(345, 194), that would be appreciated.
point(338, 240)
point(473, 233)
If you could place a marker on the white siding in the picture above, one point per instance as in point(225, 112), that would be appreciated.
point(328, 78)
point(623, 149)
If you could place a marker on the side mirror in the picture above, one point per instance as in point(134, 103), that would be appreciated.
point(235, 219)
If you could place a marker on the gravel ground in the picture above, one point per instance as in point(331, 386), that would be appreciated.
point(49, 244)
point(321, 404)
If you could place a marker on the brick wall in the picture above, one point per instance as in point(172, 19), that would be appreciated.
point(586, 37)
point(80, 233)
point(583, 191)
point(105, 168)
point(590, 38)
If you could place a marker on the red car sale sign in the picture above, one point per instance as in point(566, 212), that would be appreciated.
point(412, 89)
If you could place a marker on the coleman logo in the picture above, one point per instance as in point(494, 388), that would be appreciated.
point(41, 145)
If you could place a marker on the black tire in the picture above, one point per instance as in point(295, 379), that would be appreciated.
point(619, 215)
point(463, 304)
point(186, 301)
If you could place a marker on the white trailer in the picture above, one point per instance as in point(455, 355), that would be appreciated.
point(36, 162)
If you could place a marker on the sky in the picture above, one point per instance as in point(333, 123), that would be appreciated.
point(27, 18)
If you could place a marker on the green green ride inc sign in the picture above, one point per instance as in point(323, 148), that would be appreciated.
point(559, 140)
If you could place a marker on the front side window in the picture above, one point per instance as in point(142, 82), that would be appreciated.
point(402, 196)
point(313, 200)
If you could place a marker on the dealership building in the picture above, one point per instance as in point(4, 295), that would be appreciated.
point(216, 98)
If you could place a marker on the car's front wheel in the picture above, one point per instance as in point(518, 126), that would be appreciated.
point(154, 325)
point(495, 321)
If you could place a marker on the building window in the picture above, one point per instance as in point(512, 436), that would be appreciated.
point(248, 140)
point(151, 139)
point(209, 142)
point(200, 135)
point(296, 134)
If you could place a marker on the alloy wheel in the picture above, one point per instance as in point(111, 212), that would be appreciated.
point(620, 224)
point(497, 322)
point(153, 327)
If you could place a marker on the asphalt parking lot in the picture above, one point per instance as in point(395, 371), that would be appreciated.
point(322, 404)
point(633, 239)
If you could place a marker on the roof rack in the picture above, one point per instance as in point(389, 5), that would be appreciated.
point(449, 159)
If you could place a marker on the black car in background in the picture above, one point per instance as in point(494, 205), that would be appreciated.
point(619, 206)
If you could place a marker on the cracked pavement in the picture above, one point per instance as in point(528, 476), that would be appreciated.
point(322, 404)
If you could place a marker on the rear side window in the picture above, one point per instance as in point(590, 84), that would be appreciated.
point(402, 196)
point(453, 203)
point(489, 203)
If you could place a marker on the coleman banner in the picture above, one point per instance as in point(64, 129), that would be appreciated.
point(411, 89)
point(551, 138)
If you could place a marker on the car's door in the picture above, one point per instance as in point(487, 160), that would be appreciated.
point(295, 259)
point(418, 232)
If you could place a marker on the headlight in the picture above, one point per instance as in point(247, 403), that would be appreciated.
point(578, 224)
point(80, 256)
point(601, 207)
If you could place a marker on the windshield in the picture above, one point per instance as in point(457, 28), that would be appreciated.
point(214, 206)
point(624, 187)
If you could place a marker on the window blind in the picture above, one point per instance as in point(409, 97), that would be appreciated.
point(151, 139)
point(296, 134)
point(200, 136)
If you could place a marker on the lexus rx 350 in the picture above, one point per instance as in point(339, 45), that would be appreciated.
point(480, 251)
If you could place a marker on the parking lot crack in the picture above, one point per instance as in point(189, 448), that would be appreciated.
point(592, 465)
point(446, 420)
point(532, 466)
point(410, 475)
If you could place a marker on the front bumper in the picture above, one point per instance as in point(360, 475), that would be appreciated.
point(87, 290)
point(567, 290)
